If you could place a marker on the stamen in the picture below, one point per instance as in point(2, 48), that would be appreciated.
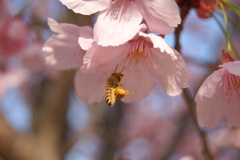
point(139, 66)
point(231, 85)
point(123, 3)
point(149, 68)
point(131, 68)
point(138, 53)
point(122, 70)
point(149, 55)
point(125, 65)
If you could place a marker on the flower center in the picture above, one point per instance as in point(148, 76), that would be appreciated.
point(123, 3)
point(231, 85)
point(137, 53)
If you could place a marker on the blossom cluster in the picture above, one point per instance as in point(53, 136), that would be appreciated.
point(119, 40)
point(219, 96)
point(128, 37)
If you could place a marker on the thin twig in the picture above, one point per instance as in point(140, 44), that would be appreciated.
point(182, 125)
point(185, 8)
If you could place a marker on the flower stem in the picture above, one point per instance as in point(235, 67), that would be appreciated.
point(229, 47)
point(233, 7)
point(225, 34)
point(236, 10)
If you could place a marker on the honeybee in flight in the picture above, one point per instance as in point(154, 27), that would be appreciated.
point(114, 90)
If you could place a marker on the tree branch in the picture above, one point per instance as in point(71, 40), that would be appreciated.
point(110, 133)
point(51, 126)
point(12, 144)
point(185, 8)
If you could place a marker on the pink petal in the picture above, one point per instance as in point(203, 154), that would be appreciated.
point(90, 87)
point(62, 50)
point(86, 7)
point(139, 82)
point(161, 15)
point(85, 39)
point(102, 59)
point(211, 110)
point(62, 53)
point(233, 110)
point(170, 72)
point(64, 28)
point(33, 58)
point(54, 25)
point(211, 100)
point(117, 24)
point(208, 87)
point(159, 42)
point(232, 67)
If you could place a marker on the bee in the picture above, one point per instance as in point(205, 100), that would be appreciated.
point(114, 90)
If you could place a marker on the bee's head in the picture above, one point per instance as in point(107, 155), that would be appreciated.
point(118, 76)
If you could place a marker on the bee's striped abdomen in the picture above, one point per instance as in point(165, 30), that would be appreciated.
point(114, 89)
point(110, 96)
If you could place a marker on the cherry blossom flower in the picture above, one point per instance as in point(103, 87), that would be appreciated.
point(161, 62)
point(219, 96)
point(62, 50)
point(118, 20)
point(147, 58)
point(33, 59)
point(11, 40)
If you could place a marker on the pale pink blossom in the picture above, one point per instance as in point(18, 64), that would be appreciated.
point(12, 78)
point(219, 96)
point(147, 58)
point(119, 19)
point(13, 36)
point(33, 60)
point(62, 50)
point(66, 49)
point(32, 57)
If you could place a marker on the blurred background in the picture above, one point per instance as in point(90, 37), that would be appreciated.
point(42, 119)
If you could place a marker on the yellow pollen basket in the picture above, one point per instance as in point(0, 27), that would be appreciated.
point(120, 92)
